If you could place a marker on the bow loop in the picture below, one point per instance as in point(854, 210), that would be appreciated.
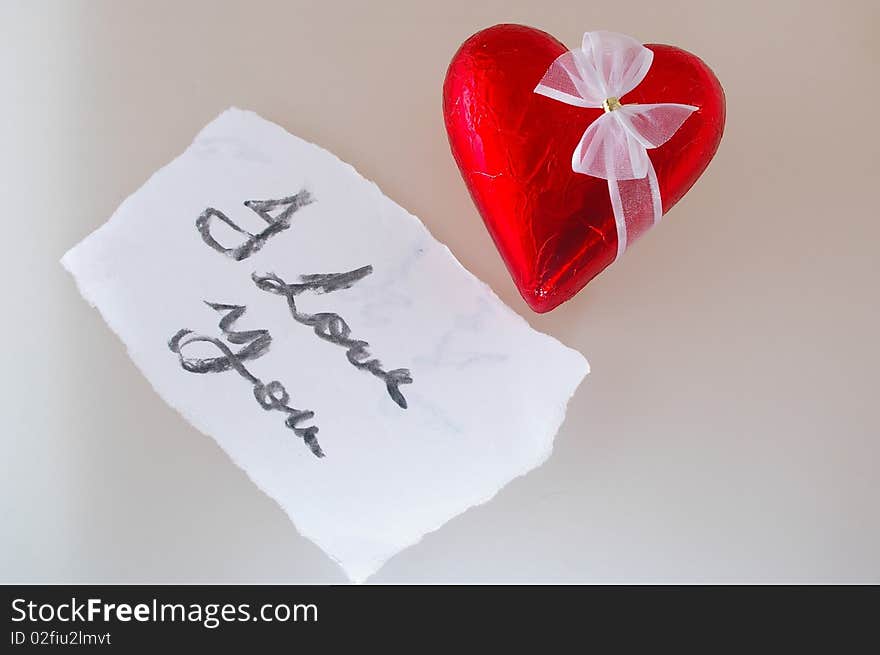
point(572, 80)
point(654, 125)
point(610, 151)
point(620, 61)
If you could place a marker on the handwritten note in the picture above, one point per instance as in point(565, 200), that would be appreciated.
point(337, 352)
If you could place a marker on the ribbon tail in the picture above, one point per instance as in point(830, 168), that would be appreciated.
point(619, 216)
point(656, 200)
point(637, 207)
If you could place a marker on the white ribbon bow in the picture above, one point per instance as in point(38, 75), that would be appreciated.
point(615, 146)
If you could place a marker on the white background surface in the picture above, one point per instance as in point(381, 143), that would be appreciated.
point(729, 429)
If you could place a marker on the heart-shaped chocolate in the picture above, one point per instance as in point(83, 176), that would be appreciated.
point(555, 228)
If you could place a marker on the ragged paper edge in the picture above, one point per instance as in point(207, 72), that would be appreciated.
point(560, 419)
point(69, 262)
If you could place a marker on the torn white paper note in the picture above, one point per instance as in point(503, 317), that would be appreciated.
point(337, 352)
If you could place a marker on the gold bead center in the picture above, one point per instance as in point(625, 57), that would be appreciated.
point(611, 104)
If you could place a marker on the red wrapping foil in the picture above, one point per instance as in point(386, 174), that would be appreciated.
point(555, 228)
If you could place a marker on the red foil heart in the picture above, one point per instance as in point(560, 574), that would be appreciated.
point(555, 228)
